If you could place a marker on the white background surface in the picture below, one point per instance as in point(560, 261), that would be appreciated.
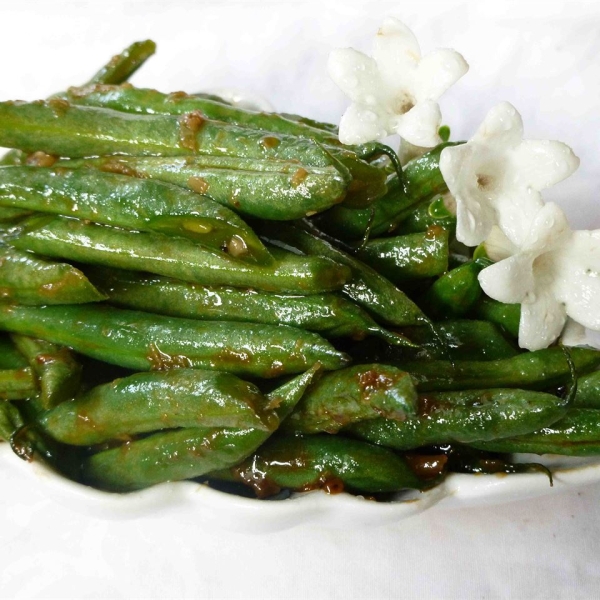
point(542, 56)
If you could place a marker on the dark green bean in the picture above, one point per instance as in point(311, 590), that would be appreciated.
point(329, 314)
point(351, 395)
point(185, 453)
point(407, 257)
point(465, 417)
point(542, 369)
point(142, 341)
point(332, 463)
point(146, 402)
point(58, 373)
point(123, 201)
point(506, 316)
point(428, 214)
point(588, 391)
point(10, 420)
point(10, 357)
point(268, 189)
point(181, 258)
point(576, 434)
point(28, 279)
point(367, 287)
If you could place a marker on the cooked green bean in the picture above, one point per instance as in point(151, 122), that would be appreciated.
point(58, 373)
point(506, 316)
point(588, 391)
point(142, 341)
point(351, 395)
point(10, 420)
point(332, 463)
point(367, 287)
point(122, 66)
point(10, 357)
point(465, 417)
point(427, 214)
point(329, 314)
point(17, 384)
point(123, 201)
point(542, 369)
point(85, 242)
point(29, 279)
point(576, 434)
point(146, 402)
point(185, 453)
point(407, 257)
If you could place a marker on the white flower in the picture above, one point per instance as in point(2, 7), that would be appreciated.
point(496, 177)
point(396, 91)
point(554, 274)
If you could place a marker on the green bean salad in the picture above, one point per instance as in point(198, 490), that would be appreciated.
point(267, 304)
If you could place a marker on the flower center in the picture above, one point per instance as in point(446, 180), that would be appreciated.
point(403, 102)
point(484, 182)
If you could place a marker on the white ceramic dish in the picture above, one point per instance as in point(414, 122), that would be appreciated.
point(546, 80)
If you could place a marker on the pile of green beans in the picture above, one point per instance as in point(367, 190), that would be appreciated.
point(191, 290)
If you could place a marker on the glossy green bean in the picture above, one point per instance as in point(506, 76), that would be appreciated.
point(588, 391)
point(351, 395)
point(325, 462)
point(146, 402)
point(465, 417)
point(328, 314)
point(506, 316)
point(17, 384)
point(142, 341)
point(367, 287)
point(58, 373)
point(268, 189)
point(85, 242)
point(10, 420)
point(122, 66)
point(115, 199)
point(29, 279)
point(542, 369)
point(576, 434)
point(407, 257)
point(456, 292)
point(62, 129)
point(427, 214)
point(185, 453)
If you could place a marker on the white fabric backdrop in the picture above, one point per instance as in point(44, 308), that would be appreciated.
point(542, 57)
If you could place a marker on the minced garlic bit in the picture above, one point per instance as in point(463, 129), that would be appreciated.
point(397, 90)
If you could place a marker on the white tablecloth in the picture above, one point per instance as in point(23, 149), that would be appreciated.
point(542, 57)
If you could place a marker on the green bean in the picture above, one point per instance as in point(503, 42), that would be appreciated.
point(129, 99)
point(10, 357)
point(142, 342)
point(576, 434)
point(185, 453)
point(17, 384)
point(122, 66)
point(588, 391)
point(413, 256)
point(123, 201)
point(428, 214)
point(12, 158)
point(506, 316)
point(59, 128)
point(465, 417)
point(146, 402)
point(181, 258)
point(332, 463)
point(58, 373)
point(268, 189)
point(329, 314)
point(28, 279)
point(351, 395)
point(542, 369)
point(10, 420)
point(456, 292)
point(464, 340)
point(367, 287)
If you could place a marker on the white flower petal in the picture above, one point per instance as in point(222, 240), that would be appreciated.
point(502, 126)
point(516, 211)
point(511, 280)
point(356, 75)
point(475, 215)
point(548, 229)
point(543, 163)
point(498, 246)
point(542, 320)
point(396, 52)
point(361, 124)
point(577, 279)
point(574, 334)
point(420, 124)
point(437, 72)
